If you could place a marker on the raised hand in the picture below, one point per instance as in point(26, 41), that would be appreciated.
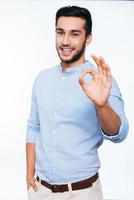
point(98, 89)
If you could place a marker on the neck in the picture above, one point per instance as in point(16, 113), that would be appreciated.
point(66, 66)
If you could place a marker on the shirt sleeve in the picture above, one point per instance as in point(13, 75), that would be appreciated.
point(33, 124)
point(117, 103)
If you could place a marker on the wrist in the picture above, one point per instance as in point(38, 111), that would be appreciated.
point(29, 176)
point(29, 179)
point(103, 106)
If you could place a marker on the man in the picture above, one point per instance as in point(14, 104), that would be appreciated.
point(75, 106)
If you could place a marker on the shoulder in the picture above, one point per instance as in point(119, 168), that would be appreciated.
point(45, 74)
point(115, 90)
point(90, 65)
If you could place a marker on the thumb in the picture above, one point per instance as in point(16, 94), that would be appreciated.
point(34, 186)
point(81, 80)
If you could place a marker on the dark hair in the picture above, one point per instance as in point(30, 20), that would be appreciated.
point(75, 11)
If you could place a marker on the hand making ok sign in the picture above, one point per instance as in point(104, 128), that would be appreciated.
point(98, 89)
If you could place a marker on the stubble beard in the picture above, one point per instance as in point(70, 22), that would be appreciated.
point(75, 57)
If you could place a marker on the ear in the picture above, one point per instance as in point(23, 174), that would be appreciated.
point(88, 39)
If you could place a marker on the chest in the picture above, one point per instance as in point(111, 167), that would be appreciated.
point(66, 97)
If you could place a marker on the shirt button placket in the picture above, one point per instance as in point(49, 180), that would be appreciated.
point(54, 131)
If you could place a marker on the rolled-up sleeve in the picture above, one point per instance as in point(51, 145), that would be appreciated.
point(33, 124)
point(117, 103)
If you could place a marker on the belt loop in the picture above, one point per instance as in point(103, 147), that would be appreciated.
point(70, 187)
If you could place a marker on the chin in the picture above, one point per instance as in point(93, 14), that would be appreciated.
point(66, 59)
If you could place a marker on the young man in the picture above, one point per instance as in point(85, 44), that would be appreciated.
point(75, 106)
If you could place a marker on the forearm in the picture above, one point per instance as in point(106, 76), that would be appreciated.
point(109, 120)
point(30, 159)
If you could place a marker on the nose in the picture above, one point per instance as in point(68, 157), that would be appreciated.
point(66, 40)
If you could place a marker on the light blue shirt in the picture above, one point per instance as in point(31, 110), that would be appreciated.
point(64, 125)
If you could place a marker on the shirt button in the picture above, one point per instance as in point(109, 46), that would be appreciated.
point(53, 169)
point(55, 112)
point(54, 131)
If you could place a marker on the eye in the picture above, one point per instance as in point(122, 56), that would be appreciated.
point(75, 34)
point(59, 33)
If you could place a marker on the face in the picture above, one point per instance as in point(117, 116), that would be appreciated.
point(71, 39)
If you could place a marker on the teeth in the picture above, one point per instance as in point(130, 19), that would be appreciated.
point(66, 49)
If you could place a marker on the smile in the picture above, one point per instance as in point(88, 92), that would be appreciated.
point(65, 51)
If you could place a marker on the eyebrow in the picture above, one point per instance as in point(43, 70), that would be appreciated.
point(60, 29)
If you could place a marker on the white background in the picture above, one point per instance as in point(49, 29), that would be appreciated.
point(27, 45)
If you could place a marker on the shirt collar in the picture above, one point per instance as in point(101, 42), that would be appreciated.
point(76, 68)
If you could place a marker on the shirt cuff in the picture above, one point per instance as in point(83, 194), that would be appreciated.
point(121, 135)
point(31, 136)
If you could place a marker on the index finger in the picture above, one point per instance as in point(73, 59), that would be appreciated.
point(84, 72)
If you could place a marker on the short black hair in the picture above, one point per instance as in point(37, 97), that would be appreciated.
point(76, 11)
